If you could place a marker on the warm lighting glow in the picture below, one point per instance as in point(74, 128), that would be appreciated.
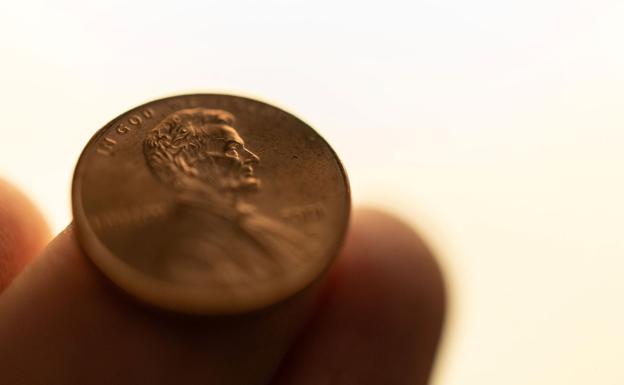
point(496, 127)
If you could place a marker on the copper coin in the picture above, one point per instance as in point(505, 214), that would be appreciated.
point(210, 204)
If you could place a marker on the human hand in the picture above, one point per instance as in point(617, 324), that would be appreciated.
point(377, 319)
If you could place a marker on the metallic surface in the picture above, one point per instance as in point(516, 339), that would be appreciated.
point(210, 204)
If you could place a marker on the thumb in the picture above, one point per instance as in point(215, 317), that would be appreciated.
point(62, 322)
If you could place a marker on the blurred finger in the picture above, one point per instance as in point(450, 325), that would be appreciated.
point(62, 322)
point(23, 232)
point(381, 319)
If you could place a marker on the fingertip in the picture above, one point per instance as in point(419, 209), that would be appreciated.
point(388, 248)
point(383, 311)
point(23, 232)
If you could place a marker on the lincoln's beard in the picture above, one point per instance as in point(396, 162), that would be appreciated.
point(243, 184)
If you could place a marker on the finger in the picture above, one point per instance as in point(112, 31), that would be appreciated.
point(61, 322)
point(381, 317)
point(23, 232)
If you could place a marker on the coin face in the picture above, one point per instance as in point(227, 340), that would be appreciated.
point(210, 204)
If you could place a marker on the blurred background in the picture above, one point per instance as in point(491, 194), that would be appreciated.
point(494, 127)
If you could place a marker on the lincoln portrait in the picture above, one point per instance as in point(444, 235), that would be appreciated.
point(216, 236)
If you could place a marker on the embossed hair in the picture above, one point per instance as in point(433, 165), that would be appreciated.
point(181, 139)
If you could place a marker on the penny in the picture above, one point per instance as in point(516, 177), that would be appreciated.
point(210, 204)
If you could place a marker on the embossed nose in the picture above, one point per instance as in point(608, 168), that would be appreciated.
point(250, 157)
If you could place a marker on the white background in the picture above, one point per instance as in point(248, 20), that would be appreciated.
point(495, 127)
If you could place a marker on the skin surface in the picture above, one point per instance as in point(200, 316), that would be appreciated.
point(23, 233)
point(376, 318)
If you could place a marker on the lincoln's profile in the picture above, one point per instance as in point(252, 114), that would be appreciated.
point(200, 156)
